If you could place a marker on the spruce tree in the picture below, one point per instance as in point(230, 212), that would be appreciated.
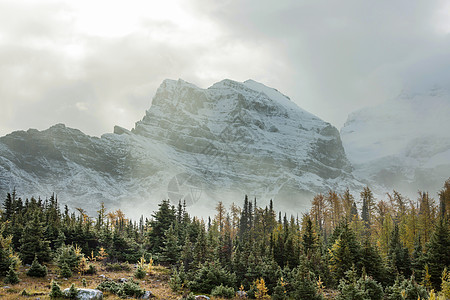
point(11, 276)
point(438, 252)
point(33, 242)
point(345, 252)
point(187, 256)
point(55, 292)
point(200, 248)
point(36, 269)
point(398, 255)
point(309, 240)
point(170, 251)
point(367, 199)
point(372, 262)
point(418, 259)
point(8, 207)
point(162, 219)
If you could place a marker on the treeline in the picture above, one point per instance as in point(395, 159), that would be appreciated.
point(389, 249)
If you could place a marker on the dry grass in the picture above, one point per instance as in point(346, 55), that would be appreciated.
point(157, 283)
point(39, 288)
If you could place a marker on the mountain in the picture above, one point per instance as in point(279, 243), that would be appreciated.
point(202, 145)
point(403, 143)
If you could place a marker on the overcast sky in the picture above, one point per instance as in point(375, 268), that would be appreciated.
point(96, 64)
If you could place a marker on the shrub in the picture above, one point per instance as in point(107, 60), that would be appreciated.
point(11, 276)
point(130, 289)
point(37, 270)
point(109, 286)
point(114, 267)
point(72, 293)
point(223, 291)
point(91, 270)
point(409, 287)
point(123, 290)
point(189, 296)
point(55, 291)
point(140, 273)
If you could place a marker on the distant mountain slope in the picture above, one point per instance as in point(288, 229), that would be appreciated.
point(203, 145)
point(403, 143)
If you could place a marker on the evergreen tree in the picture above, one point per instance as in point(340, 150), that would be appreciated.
point(33, 242)
point(303, 286)
point(161, 222)
point(345, 251)
point(6, 252)
point(398, 255)
point(438, 251)
point(418, 260)
point(187, 256)
point(11, 276)
point(55, 292)
point(367, 199)
point(36, 269)
point(309, 240)
point(372, 262)
point(8, 207)
point(444, 201)
point(171, 250)
point(200, 247)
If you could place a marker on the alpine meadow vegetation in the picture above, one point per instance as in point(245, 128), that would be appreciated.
point(344, 247)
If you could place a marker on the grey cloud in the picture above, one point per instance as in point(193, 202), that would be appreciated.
point(330, 57)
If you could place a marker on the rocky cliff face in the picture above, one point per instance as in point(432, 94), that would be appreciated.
point(402, 144)
point(203, 145)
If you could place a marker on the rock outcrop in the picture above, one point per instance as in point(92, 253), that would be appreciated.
point(200, 145)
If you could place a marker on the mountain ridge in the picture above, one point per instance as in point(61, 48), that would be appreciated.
point(221, 142)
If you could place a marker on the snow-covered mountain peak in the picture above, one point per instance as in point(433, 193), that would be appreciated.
point(233, 138)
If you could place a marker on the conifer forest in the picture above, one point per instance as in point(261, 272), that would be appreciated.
point(345, 247)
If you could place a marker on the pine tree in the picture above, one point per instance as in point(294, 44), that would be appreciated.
point(11, 276)
point(367, 205)
point(171, 250)
point(55, 292)
point(398, 255)
point(303, 286)
point(36, 269)
point(438, 252)
point(33, 242)
point(418, 260)
point(444, 201)
point(8, 207)
point(200, 247)
point(309, 240)
point(345, 251)
point(161, 222)
point(372, 261)
point(187, 256)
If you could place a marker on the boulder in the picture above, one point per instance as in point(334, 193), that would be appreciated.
point(201, 297)
point(241, 294)
point(147, 295)
point(87, 294)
